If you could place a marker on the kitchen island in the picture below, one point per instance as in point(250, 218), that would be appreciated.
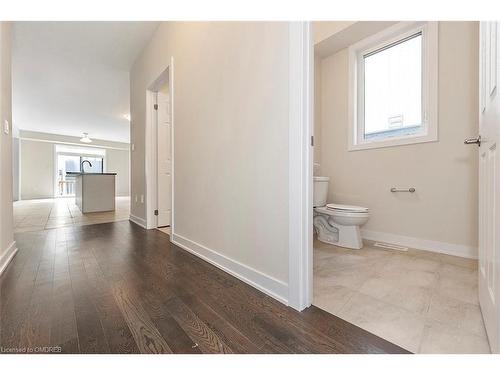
point(94, 192)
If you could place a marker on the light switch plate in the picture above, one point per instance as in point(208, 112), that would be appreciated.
point(6, 127)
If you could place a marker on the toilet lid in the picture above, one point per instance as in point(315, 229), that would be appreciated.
point(344, 207)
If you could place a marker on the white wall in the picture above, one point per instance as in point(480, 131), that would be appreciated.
point(37, 163)
point(7, 244)
point(332, 36)
point(325, 29)
point(15, 168)
point(443, 212)
point(118, 161)
point(37, 169)
point(231, 141)
point(317, 110)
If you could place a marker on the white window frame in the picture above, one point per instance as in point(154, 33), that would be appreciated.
point(393, 34)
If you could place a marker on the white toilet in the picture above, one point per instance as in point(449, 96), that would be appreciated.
point(337, 224)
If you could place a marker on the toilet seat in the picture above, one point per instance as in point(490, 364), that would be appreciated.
point(341, 213)
point(346, 208)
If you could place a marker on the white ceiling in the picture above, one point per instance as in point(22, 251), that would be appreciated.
point(73, 77)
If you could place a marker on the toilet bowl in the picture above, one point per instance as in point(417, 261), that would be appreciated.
point(340, 226)
point(337, 224)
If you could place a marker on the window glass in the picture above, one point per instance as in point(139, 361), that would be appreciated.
point(393, 90)
point(96, 167)
point(65, 183)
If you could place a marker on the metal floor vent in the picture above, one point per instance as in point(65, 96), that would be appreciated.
point(390, 246)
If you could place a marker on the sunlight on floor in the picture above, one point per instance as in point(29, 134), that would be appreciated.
point(424, 302)
point(38, 214)
point(167, 230)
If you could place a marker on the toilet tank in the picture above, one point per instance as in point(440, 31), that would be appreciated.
point(320, 191)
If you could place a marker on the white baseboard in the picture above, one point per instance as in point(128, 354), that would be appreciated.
point(137, 220)
point(421, 244)
point(8, 256)
point(151, 224)
point(265, 283)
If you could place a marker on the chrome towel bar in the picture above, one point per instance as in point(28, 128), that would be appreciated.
point(402, 190)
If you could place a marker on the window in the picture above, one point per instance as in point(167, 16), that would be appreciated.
point(69, 159)
point(393, 83)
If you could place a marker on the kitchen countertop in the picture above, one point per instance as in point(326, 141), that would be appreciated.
point(94, 192)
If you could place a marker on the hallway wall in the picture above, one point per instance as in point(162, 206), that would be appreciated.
point(118, 161)
point(37, 169)
point(7, 244)
point(15, 168)
point(231, 141)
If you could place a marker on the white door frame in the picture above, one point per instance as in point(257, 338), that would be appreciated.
point(151, 145)
point(488, 270)
point(301, 110)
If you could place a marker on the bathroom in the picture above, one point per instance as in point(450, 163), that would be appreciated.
point(395, 250)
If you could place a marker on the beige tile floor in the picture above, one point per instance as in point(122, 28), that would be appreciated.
point(425, 302)
point(39, 214)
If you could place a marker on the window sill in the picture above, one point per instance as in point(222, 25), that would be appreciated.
point(392, 142)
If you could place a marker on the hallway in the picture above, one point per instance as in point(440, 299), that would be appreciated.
point(117, 288)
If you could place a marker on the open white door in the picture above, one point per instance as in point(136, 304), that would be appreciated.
point(489, 183)
point(164, 135)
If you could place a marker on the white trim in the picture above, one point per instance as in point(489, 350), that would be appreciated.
point(9, 254)
point(172, 138)
point(151, 145)
point(463, 251)
point(265, 283)
point(138, 220)
point(150, 167)
point(482, 65)
point(430, 72)
point(492, 74)
point(301, 65)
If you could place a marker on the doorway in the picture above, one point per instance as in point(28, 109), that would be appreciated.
point(407, 284)
point(160, 157)
point(164, 157)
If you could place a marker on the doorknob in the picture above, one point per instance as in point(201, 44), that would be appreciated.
point(471, 141)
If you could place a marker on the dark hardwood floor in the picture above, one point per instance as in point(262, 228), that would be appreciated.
point(117, 288)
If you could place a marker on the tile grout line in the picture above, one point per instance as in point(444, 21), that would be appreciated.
point(433, 290)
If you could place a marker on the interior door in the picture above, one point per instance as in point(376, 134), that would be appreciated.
point(489, 183)
point(164, 151)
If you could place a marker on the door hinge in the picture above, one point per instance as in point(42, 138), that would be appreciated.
point(155, 107)
point(312, 140)
point(156, 212)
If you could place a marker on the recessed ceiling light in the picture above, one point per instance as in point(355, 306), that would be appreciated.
point(85, 138)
